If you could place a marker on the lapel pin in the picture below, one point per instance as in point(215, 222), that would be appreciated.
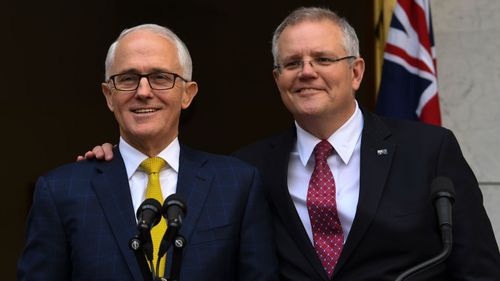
point(382, 151)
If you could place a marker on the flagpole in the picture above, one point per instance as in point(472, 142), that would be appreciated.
point(383, 10)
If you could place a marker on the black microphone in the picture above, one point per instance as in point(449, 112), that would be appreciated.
point(443, 197)
point(148, 215)
point(174, 211)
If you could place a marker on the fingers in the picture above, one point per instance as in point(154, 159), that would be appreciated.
point(99, 152)
point(96, 152)
point(87, 155)
point(107, 150)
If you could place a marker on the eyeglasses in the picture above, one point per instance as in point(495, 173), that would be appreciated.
point(319, 62)
point(156, 80)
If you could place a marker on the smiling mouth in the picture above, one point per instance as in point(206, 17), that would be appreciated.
point(307, 90)
point(144, 110)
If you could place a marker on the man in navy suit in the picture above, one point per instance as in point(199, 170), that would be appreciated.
point(382, 170)
point(82, 216)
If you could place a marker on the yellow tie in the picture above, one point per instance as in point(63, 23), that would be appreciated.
point(152, 167)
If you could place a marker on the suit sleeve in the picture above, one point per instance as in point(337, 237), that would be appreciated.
point(46, 254)
point(475, 254)
point(257, 255)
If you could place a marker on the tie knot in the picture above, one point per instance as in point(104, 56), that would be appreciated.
point(322, 150)
point(153, 165)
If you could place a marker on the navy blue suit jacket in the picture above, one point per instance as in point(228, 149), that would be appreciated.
point(395, 226)
point(82, 219)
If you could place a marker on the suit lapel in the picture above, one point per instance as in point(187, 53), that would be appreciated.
point(376, 158)
point(110, 184)
point(193, 186)
point(277, 161)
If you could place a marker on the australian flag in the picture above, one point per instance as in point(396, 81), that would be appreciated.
point(409, 75)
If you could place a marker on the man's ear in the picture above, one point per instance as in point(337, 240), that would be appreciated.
point(108, 95)
point(276, 74)
point(358, 69)
point(190, 91)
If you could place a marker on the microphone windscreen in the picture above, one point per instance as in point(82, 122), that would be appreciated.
point(149, 204)
point(442, 186)
point(172, 200)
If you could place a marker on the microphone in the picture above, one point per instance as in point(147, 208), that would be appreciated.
point(148, 215)
point(443, 197)
point(174, 211)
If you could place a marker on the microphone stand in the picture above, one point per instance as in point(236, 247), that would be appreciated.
point(171, 238)
point(179, 244)
point(136, 244)
point(447, 246)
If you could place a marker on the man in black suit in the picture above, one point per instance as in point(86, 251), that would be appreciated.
point(379, 172)
point(83, 214)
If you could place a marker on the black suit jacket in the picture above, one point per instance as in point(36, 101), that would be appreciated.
point(395, 226)
point(82, 219)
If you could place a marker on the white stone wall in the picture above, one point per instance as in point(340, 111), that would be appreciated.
point(467, 36)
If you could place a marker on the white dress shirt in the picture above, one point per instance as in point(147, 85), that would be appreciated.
point(345, 166)
point(138, 179)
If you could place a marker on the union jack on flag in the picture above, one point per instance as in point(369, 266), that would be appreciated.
point(409, 75)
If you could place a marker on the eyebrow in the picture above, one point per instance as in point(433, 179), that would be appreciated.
point(314, 54)
point(136, 71)
point(323, 53)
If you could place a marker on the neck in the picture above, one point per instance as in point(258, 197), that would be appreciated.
point(324, 126)
point(149, 146)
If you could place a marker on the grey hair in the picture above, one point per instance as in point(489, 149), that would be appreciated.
point(350, 40)
point(182, 50)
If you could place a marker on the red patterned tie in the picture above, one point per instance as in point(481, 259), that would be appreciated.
point(322, 206)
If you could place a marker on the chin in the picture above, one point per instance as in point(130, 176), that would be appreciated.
point(309, 110)
point(144, 133)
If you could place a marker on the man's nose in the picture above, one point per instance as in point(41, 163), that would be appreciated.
point(307, 69)
point(144, 89)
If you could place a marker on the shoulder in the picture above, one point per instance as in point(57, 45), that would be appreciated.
point(79, 174)
point(275, 144)
point(77, 169)
point(65, 181)
point(400, 130)
point(213, 161)
point(220, 170)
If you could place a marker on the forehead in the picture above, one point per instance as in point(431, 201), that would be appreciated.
point(310, 37)
point(144, 50)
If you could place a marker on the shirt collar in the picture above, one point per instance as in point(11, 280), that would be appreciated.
point(343, 140)
point(133, 157)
